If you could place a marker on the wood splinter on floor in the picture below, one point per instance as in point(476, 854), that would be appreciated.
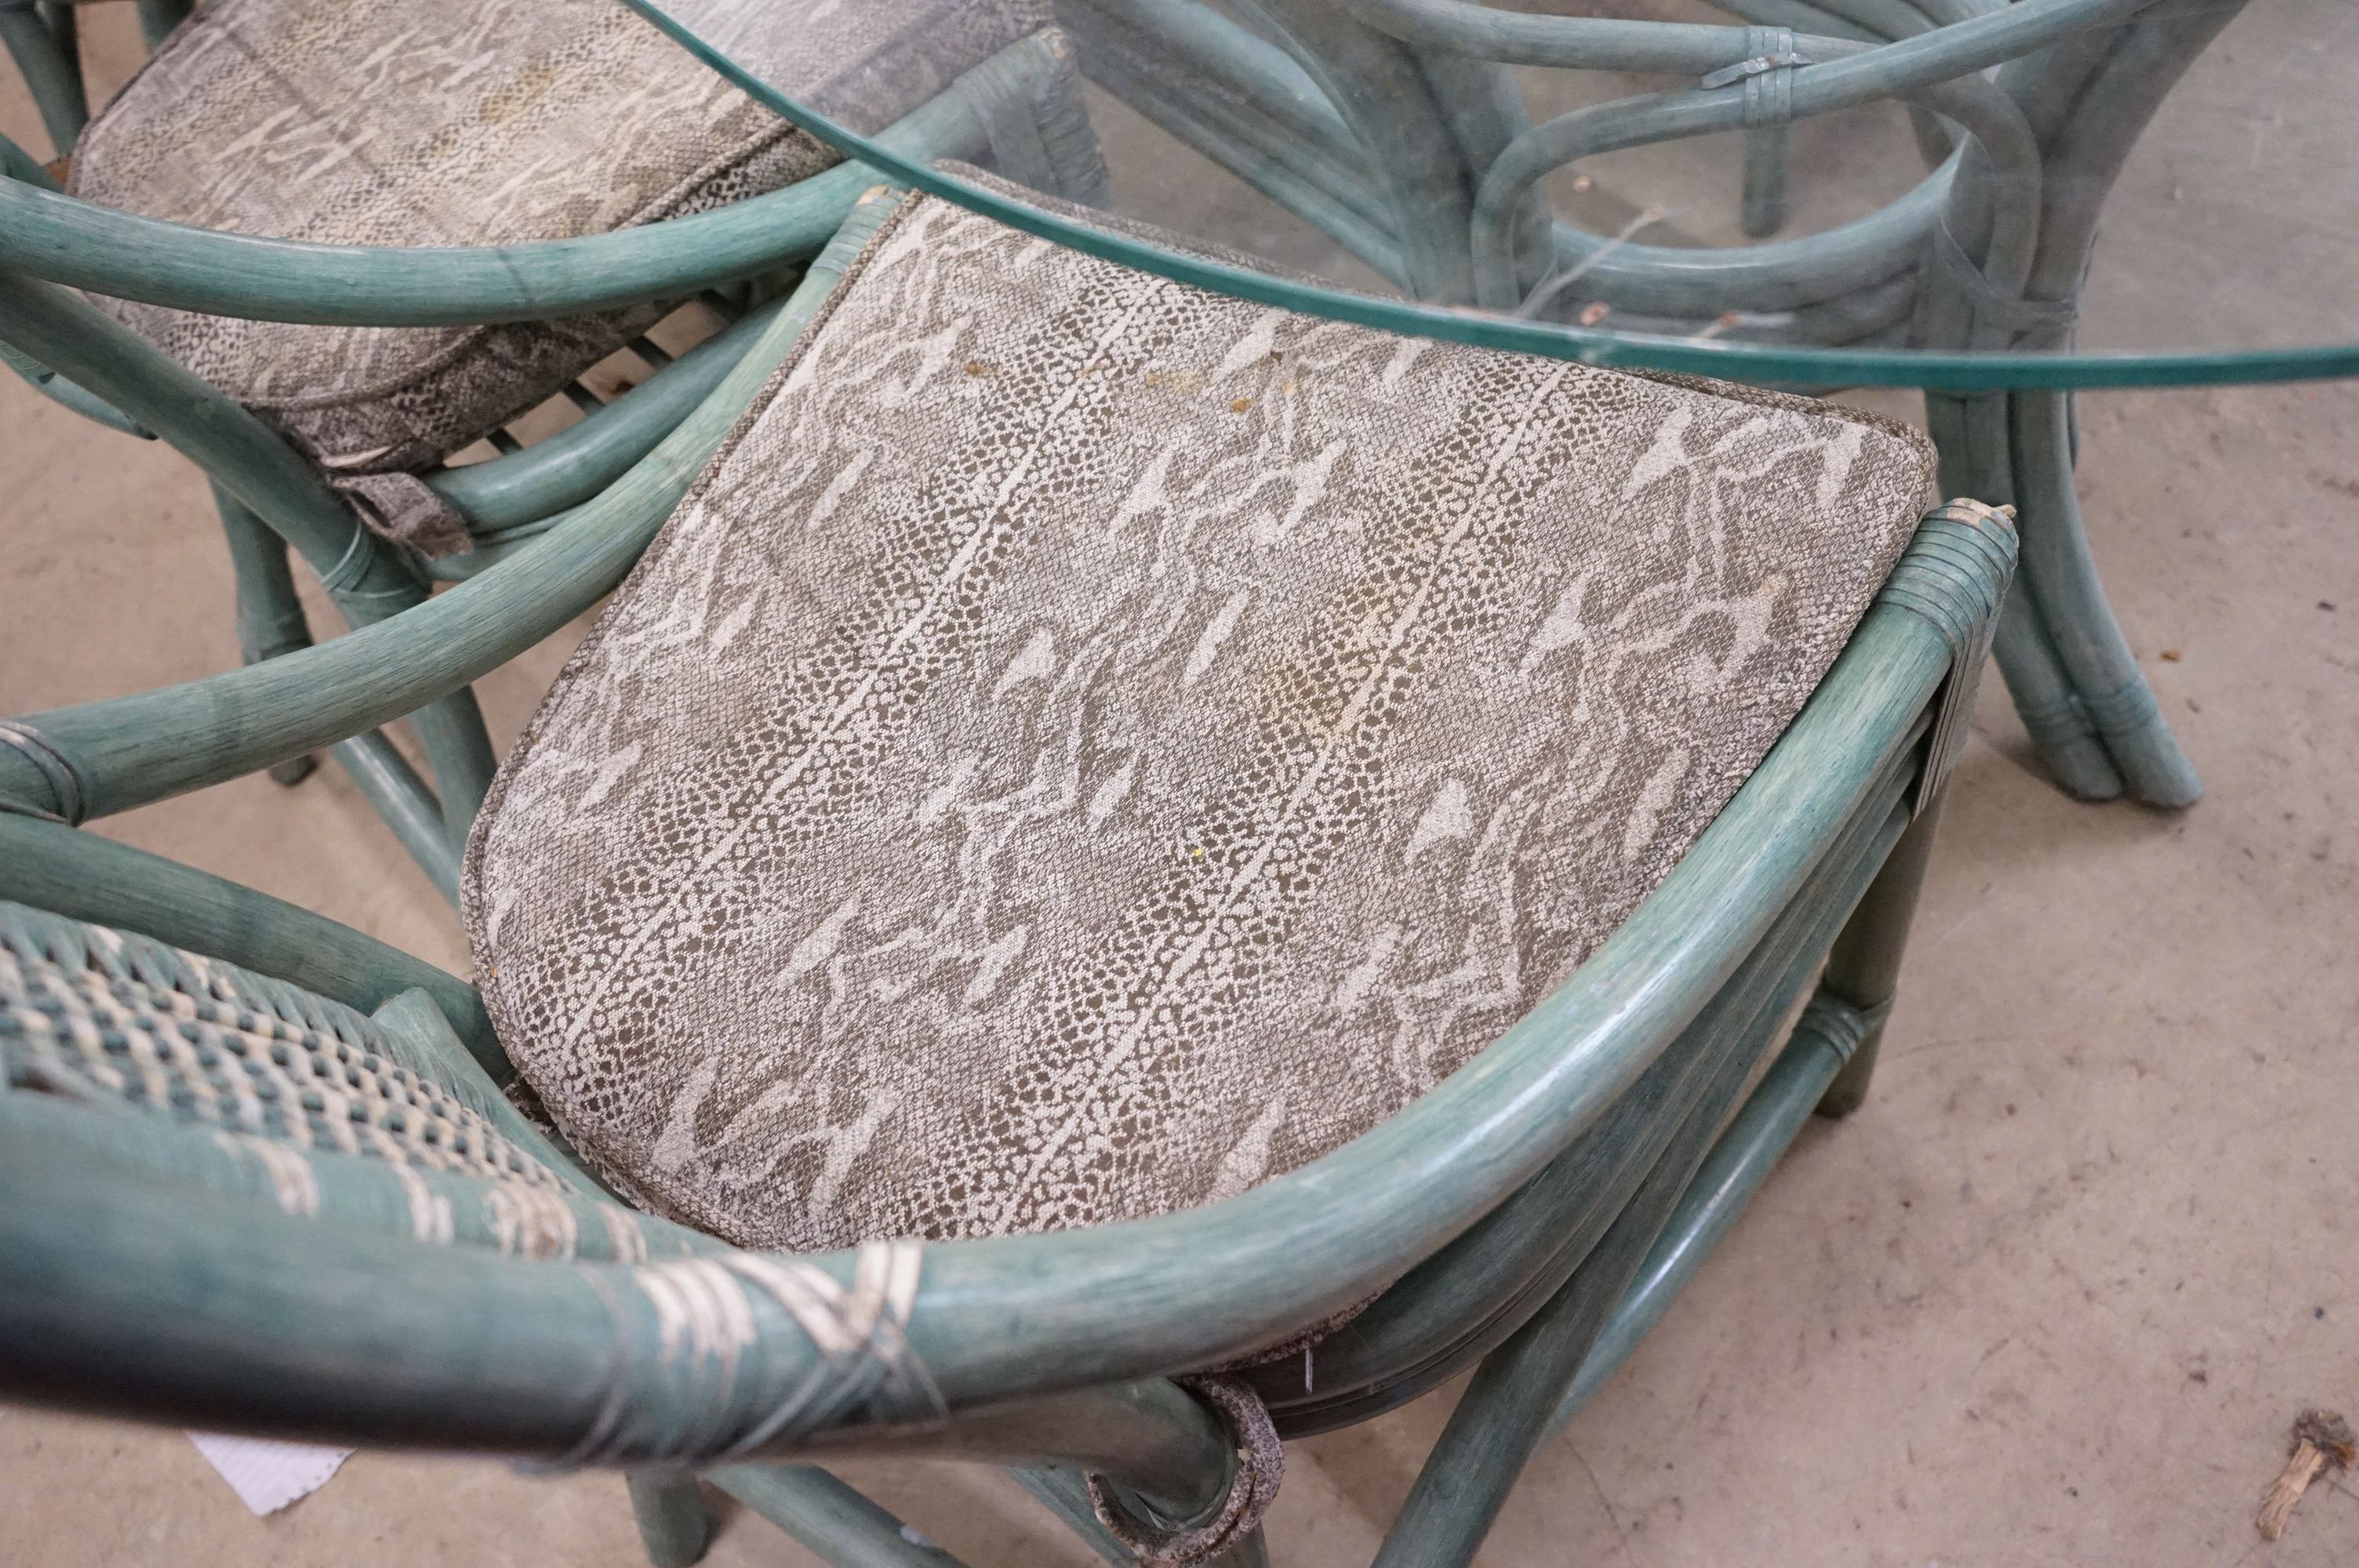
point(2320, 1438)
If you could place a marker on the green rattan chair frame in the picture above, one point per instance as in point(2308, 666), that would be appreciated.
point(1529, 1218)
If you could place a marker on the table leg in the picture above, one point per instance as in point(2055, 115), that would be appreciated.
point(2059, 578)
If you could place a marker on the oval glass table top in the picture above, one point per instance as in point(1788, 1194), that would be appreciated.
point(1955, 194)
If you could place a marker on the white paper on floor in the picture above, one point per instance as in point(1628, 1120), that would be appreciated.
point(269, 1476)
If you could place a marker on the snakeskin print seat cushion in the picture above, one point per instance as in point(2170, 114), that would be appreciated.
point(1087, 745)
point(472, 123)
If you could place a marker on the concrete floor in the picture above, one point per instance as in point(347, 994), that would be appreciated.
point(2053, 1296)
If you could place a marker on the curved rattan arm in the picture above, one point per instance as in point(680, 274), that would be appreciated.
point(369, 580)
point(69, 241)
point(1146, 1432)
point(53, 325)
point(69, 395)
point(108, 756)
point(489, 1352)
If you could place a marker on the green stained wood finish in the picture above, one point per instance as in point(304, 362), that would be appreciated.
point(2077, 80)
point(270, 618)
point(66, 393)
point(408, 804)
point(1463, 1302)
point(1739, 1163)
point(47, 59)
point(158, 17)
point(674, 1524)
point(469, 1348)
point(368, 578)
point(830, 1518)
point(82, 875)
point(82, 359)
point(1065, 1492)
point(506, 493)
point(1862, 971)
point(1511, 1408)
point(54, 327)
point(17, 164)
point(1047, 1352)
point(483, 1351)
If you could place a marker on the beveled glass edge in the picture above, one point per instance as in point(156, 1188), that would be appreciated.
point(1767, 364)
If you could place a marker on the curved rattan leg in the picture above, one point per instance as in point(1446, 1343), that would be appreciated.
point(829, 1517)
point(1505, 1414)
point(1065, 1492)
point(2061, 578)
point(673, 1520)
point(47, 58)
point(270, 620)
point(2050, 709)
point(1376, 84)
point(1977, 460)
point(158, 17)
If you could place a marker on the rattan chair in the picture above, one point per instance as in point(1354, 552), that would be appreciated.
point(543, 182)
point(1128, 877)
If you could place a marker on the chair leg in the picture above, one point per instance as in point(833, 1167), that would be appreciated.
point(43, 47)
point(673, 1520)
point(270, 620)
point(1863, 966)
point(1766, 158)
point(158, 17)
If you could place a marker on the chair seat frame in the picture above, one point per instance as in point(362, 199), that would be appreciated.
point(1528, 1217)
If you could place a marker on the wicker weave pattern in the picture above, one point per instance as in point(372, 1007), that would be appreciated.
point(107, 1017)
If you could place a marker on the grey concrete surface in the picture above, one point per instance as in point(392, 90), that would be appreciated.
point(2053, 1296)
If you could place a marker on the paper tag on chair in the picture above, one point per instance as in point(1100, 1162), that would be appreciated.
point(269, 1476)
